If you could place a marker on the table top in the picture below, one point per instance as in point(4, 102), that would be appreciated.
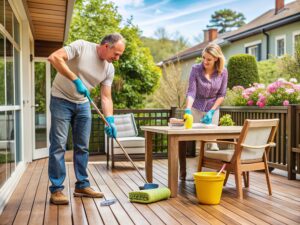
point(172, 130)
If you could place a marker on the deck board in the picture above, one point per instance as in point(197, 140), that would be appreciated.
point(29, 203)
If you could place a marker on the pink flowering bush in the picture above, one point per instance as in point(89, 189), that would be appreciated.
point(280, 92)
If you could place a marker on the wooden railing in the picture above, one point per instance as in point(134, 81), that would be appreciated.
point(294, 142)
point(151, 117)
point(281, 156)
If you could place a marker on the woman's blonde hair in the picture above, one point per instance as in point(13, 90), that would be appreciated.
point(215, 51)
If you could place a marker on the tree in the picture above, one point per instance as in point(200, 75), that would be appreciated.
point(165, 45)
point(136, 75)
point(172, 89)
point(226, 19)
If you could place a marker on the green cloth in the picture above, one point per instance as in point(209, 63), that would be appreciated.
point(150, 195)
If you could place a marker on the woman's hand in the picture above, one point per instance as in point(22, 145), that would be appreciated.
point(207, 119)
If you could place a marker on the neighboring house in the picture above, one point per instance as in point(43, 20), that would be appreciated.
point(272, 34)
point(29, 31)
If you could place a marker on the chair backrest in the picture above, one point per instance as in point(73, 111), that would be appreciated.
point(256, 133)
point(126, 126)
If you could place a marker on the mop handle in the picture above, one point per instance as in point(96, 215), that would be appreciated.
point(107, 124)
point(221, 170)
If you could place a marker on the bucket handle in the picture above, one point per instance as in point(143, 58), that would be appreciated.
point(221, 170)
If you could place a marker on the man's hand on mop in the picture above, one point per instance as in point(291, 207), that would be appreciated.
point(81, 88)
point(111, 130)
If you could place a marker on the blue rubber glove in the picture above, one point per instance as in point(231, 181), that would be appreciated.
point(111, 130)
point(81, 88)
point(207, 119)
point(188, 111)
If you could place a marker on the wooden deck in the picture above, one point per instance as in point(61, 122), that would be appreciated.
point(29, 203)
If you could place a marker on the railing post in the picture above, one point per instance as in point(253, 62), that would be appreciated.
point(173, 111)
point(291, 141)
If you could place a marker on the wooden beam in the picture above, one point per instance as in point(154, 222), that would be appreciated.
point(45, 48)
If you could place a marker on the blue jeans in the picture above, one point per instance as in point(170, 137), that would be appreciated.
point(64, 113)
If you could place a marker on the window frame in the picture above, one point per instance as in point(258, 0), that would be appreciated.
point(250, 45)
point(277, 38)
point(295, 33)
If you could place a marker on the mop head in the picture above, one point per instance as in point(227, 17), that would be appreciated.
point(150, 195)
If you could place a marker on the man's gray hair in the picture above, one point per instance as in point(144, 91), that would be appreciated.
point(111, 39)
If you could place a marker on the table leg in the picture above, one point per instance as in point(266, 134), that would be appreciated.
point(173, 165)
point(148, 156)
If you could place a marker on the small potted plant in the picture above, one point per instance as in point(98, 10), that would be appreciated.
point(226, 120)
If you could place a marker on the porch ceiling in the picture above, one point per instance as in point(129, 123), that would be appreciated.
point(49, 22)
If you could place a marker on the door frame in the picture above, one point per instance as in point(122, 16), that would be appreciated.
point(44, 152)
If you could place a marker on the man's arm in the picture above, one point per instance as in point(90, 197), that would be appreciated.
point(106, 100)
point(58, 60)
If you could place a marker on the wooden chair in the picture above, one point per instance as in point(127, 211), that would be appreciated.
point(249, 154)
point(127, 135)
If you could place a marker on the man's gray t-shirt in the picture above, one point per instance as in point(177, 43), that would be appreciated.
point(84, 61)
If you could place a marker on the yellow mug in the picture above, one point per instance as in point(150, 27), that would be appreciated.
point(188, 121)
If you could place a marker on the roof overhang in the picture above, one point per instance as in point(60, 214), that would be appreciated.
point(265, 27)
point(190, 55)
point(50, 22)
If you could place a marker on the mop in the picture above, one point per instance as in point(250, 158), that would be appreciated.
point(147, 185)
point(150, 196)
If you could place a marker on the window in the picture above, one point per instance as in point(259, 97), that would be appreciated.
point(10, 109)
point(254, 48)
point(280, 45)
point(296, 39)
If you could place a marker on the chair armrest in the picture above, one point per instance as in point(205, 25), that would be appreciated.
point(221, 142)
point(271, 144)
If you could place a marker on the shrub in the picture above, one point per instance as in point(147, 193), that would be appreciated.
point(226, 120)
point(290, 65)
point(242, 70)
point(280, 92)
point(234, 97)
point(268, 71)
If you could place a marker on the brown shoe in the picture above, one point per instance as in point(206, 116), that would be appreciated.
point(87, 192)
point(58, 198)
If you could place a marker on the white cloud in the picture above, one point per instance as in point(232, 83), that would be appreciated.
point(189, 22)
point(157, 11)
point(184, 12)
point(123, 3)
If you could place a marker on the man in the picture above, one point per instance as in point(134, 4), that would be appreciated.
point(80, 67)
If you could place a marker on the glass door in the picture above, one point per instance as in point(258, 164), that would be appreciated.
point(41, 98)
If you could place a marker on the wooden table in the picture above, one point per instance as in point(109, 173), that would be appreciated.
point(174, 137)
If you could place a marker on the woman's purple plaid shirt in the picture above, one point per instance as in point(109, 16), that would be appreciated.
point(205, 92)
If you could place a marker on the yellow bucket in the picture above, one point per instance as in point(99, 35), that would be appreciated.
point(209, 187)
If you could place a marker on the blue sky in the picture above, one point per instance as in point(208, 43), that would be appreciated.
point(188, 17)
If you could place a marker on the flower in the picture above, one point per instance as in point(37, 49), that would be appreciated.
point(280, 92)
point(285, 103)
point(238, 88)
point(281, 79)
point(293, 80)
point(250, 102)
point(260, 104)
point(297, 87)
point(290, 90)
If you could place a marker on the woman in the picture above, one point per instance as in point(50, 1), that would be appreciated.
point(206, 92)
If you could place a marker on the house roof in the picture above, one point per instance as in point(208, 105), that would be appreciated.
point(49, 22)
point(194, 51)
point(267, 21)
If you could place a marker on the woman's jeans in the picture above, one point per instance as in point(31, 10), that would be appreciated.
point(64, 113)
